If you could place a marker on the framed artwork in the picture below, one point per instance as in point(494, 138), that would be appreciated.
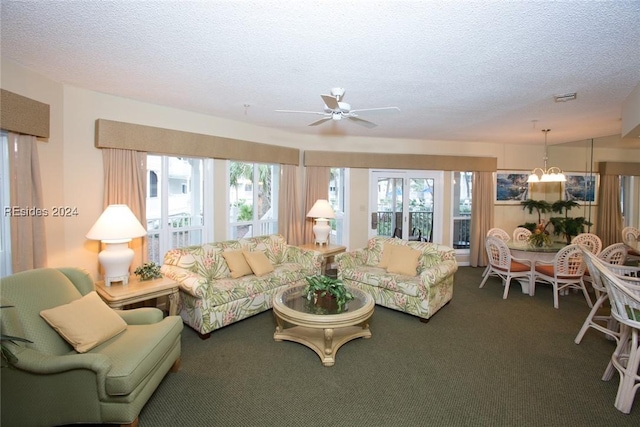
point(512, 186)
point(581, 187)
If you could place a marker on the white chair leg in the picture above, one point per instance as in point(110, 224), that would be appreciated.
point(587, 323)
point(586, 294)
point(506, 287)
point(625, 333)
point(628, 376)
point(484, 280)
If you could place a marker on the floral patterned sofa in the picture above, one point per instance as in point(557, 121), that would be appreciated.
point(210, 298)
point(420, 295)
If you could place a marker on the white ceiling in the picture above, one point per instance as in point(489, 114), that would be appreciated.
point(458, 70)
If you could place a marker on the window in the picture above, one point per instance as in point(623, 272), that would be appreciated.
point(153, 184)
point(5, 236)
point(179, 203)
point(462, 185)
point(253, 209)
point(338, 189)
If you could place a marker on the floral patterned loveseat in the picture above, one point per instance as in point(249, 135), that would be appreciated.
point(420, 295)
point(211, 299)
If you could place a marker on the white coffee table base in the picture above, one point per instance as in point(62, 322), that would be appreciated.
point(325, 342)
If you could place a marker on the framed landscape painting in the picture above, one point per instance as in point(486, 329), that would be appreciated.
point(512, 186)
point(581, 187)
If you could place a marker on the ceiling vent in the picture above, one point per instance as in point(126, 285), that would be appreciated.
point(565, 97)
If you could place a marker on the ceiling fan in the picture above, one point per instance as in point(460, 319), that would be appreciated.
point(336, 109)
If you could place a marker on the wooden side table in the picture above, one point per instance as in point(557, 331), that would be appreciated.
point(327, 251)
point(118, 295)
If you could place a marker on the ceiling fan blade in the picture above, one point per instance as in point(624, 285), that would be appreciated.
point(376, 109)
point(362, 122)
point(330, 101)
point(319, 122)
point(296, 111)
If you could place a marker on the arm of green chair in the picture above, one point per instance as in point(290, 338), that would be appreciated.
point(35, 362)
point(141, 316)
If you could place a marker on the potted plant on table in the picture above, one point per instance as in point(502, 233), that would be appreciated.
point(148, 271)
point(327, 292)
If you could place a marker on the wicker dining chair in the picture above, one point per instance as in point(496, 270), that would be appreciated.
point(499, 233)
point(565, 272)
point(613, 256)
point(503, 265)
point(624, 296)
point(521, 234)
point(589, 240)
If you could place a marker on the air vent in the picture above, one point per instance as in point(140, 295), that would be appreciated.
point(565, 97)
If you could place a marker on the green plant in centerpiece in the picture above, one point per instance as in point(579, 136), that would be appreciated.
point(321, 286)
point(148, 271)
point(540, 236)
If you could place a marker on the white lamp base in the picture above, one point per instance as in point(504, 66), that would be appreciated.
point(115, 259)
point(322, 229)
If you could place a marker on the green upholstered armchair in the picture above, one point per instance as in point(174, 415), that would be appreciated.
point(51, 383)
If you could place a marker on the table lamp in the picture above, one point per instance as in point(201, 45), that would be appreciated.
point(115, 228)
point(322, 212)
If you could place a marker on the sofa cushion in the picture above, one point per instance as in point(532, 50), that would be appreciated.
point(258, 262)
point(84, 323)
point(386, 255)
point(404, 260)
point(237, 263)
point(378, 277)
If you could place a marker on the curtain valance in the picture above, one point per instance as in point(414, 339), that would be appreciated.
point(400, 161)
point(129, 136)
point(23, 115)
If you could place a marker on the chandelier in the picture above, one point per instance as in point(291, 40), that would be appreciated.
point(553, 174)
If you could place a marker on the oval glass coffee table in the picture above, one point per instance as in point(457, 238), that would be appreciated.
point(324, 332)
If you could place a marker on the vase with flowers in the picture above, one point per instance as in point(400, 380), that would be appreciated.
point(540, 236)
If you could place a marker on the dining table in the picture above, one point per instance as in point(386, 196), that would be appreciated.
point(533, 254)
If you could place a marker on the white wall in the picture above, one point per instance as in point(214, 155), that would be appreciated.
point(72, 171)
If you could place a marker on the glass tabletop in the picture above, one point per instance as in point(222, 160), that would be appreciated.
point(296, 299)
point(526, 247)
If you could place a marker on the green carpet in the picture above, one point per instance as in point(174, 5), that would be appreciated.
point(480, 361)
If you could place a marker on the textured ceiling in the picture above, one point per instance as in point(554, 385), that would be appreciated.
point(458, 70)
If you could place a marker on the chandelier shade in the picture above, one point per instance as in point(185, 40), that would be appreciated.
point(552, 174)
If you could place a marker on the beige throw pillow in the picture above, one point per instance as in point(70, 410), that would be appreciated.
point(404, 260)
point(387, 249)
point(259, 263)
point(237, 263)
point(85, 323)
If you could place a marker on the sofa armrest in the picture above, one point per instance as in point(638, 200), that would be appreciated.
point(352, 259)
point(141, 316)
point(438, 272)
point(309, 259)
point(189, 282)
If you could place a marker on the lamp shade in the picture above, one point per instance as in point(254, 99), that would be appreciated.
point(321, 209)
point(116, 224)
